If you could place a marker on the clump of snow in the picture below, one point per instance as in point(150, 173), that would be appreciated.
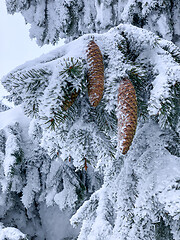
point(11, 233)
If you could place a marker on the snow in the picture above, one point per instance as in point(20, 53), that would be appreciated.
point(163, 25)
point(136, 190)
point(99, 9)
point(71, 19)
point(7, 118)
point(32, 187)
point(54, 222)
point(12, 116)
point(11, 233)
point(11, 146)
point(144, 43)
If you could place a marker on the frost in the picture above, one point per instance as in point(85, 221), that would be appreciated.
point(71, 19)
point(148, 181)
point(58, 155)
point(45, 99)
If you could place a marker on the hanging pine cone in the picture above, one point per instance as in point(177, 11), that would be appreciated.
point(67, 103)
point(85, 164)
point(127, 115)
point(72, 71)
point(95, 74)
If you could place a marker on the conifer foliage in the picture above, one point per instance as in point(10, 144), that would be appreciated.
point(30, 181)
point(71, 19)
point(64, 87)
point(74, 70)
point(112, 195)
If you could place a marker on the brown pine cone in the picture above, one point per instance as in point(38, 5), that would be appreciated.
point(127, 115)
point(95, 74)
point(69, 101)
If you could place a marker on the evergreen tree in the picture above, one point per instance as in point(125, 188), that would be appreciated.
point(111, 194)
point(31, 182)
point(69, 19)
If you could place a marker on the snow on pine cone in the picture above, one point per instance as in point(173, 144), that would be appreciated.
point(127, 115)
point(95, 74)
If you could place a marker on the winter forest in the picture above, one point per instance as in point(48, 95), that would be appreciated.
point(91, 148)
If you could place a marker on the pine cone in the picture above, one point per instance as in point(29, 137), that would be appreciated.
point(127, 115)
point(95, 74)
point(69, 101)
